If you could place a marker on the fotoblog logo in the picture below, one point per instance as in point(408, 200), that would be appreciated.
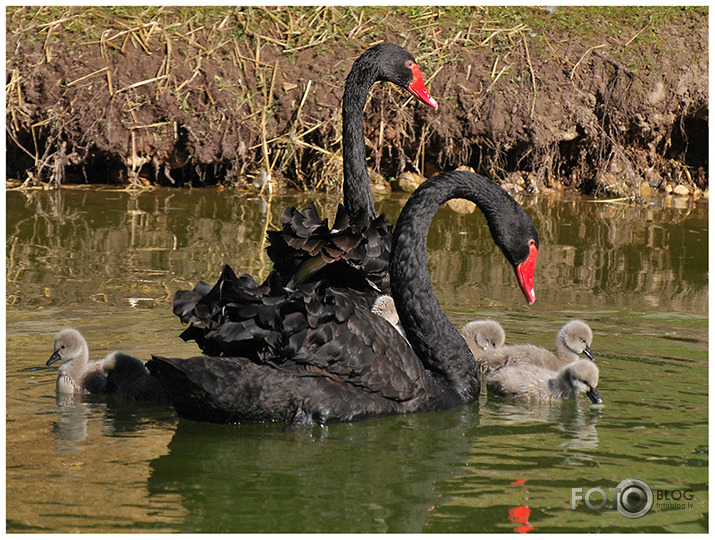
point(632, 498)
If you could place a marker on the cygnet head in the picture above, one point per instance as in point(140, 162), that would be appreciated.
point(69, 345)
point(583, 376)
point(576, 336)
point(485, 334)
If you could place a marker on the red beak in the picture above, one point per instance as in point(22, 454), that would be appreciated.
point(418, 89)
point(525, 275)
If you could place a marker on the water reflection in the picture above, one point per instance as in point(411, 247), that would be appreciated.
point(575, 418)
point(285, 481)
point(108, 263)
point(520, 514)
point(117, 417)
point(113, 247)
point(71, 427)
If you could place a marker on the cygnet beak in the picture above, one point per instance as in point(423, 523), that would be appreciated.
point(54, 358)
point(594, 396)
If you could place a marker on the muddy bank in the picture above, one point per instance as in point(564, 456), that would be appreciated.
point(611, 101)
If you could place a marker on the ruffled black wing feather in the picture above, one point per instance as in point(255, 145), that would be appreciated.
point(313, 330)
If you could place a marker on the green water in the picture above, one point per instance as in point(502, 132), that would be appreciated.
point(107, 263)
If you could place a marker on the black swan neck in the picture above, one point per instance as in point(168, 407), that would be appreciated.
point(436, 341)
point(357, 196)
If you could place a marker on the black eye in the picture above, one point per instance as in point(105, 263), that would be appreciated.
point(410, 64)
point(532, 242)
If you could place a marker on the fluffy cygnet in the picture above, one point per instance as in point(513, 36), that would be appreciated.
point(117, 373)
point(528, 381)
point(484, 338)
point(573, 339)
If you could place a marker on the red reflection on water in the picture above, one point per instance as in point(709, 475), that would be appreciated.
point(520, 514)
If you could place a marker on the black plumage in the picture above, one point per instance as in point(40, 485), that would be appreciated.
point(316, 353)
point(354, 252)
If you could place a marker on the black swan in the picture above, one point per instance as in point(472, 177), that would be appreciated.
point(537, 383)
point(317, 353)
point(354, 252)
point(357, 245)
point(574, 338)
point(117, 373)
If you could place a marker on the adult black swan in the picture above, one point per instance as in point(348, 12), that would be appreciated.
point(357, 245)
point(354, 252)
point(317, 354)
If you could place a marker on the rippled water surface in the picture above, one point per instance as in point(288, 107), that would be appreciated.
point(108, 262)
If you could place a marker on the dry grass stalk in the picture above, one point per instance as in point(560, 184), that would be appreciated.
point(533, 76)
point(584, 55)
point(650, 21)
point(85, 77)
point(141, 83)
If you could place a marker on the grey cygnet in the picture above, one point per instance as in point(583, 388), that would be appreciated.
point(117, 373)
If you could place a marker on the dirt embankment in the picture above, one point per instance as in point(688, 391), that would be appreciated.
point(605, 100)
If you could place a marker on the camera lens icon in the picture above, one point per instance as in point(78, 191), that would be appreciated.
point(634, 498)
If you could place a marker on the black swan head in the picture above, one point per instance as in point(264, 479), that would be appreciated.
point(383, 62)
point(392, 63)
point(515, 234)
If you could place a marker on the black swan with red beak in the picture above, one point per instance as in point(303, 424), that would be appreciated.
point(355, 251)
point(315, 353)
point(356, 247)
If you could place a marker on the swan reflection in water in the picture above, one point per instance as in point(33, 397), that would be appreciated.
point(383, 475)
point(71, 426)
point(82, 417)
point(577, 420)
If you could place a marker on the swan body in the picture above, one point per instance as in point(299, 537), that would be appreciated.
point(573, 339)
point(117, 373)
point(532, 382)
point(316, 353)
